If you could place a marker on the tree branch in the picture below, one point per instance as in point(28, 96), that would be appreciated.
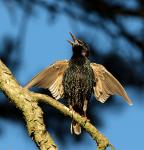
point(27, 102)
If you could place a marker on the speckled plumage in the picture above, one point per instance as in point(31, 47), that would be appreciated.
point(78, 82)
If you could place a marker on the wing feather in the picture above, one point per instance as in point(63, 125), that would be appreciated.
point(51, 78)
point(107, 84)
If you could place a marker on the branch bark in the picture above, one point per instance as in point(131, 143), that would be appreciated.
point(27, 102)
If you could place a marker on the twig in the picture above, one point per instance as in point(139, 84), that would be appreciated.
point(101, 141)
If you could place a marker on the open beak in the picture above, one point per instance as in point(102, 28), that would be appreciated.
point(74, 42)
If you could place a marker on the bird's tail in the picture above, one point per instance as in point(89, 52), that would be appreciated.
point(75, 128)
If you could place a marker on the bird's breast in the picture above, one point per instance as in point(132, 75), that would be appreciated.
point(78, 83)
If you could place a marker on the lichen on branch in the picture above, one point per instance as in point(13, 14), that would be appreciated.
point(27, 102)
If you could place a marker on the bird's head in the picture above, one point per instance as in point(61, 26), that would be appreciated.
point(79, 47)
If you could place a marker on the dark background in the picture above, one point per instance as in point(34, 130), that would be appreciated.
point(33, 35)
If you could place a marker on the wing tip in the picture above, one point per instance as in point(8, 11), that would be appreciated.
point(129, 101)
point(130, 104)
point(27, 86)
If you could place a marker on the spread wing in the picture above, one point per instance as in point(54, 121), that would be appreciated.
point(51, 78)
point(107, 84)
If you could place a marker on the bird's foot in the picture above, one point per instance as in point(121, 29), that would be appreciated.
point(86, 119)
point(71, 110)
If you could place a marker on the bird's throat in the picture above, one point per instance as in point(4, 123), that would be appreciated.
point(78, 60)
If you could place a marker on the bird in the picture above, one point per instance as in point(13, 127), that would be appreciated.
point(77, 79)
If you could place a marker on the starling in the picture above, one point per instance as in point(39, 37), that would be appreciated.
point(77, 79)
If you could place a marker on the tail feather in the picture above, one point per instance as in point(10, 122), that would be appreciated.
point(75, 128)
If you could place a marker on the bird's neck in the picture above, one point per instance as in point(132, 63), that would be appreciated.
point(78, 60)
